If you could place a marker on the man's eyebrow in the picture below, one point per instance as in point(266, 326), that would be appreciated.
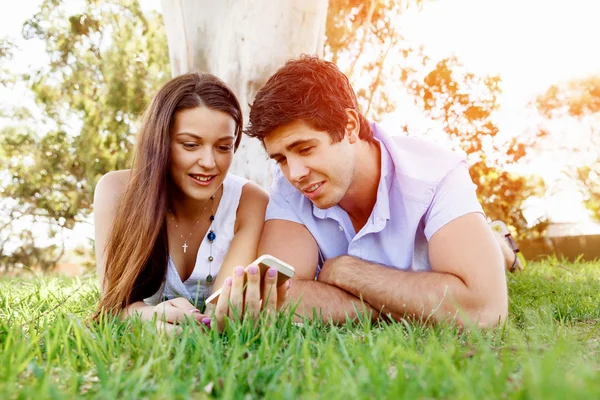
point(291, 146)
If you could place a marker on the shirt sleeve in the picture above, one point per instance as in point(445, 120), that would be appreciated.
point(280, 208)
point(454, 197)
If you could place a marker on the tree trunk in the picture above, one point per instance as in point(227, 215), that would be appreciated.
point(243, 42)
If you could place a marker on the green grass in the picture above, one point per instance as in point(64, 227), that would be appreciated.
point(549, 348)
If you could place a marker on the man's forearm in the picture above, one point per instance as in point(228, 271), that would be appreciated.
point(329, 302)
point(422, 295)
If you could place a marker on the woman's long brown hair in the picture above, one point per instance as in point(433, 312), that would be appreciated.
point(137, 246)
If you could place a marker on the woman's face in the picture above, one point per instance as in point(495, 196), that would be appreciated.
point(202, 143)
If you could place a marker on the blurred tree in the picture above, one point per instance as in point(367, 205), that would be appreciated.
point(243, 43)
point(578, 102)
point(106, 59)
point(464, 103)
point(29, 254)
point(365, 39)
point(6, 51)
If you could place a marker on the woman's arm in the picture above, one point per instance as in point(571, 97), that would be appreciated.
point(242, 251)
point(249, 222)
point(107, 195)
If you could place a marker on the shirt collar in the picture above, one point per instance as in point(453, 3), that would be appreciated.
point(381, 210)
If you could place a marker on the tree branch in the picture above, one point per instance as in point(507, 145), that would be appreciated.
point(367, 28)
point(379, 73)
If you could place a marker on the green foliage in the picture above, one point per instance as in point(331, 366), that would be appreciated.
point(579, 100)
point(105, 64)
point(49, 349)
point(589, 178)
point(365, 39)
point(106, 60)
point(50, 163)
point(6, 52)
point(5, 48)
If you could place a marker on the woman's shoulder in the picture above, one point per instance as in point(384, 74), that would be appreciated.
point(247, 189)
point(111, 186)
point(235, 180)
point(252, 206)
point(252, 197)
point(251, 192)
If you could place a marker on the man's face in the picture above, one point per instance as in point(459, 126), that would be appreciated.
point(320, 170)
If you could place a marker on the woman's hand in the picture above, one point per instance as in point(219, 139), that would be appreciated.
point(236, 304)
point(171, 313)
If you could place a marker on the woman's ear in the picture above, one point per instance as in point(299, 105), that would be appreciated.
point(352, 126)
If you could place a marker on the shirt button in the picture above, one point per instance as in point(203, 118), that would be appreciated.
point(341, 229)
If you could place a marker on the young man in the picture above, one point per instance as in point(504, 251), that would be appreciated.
point(387, 223)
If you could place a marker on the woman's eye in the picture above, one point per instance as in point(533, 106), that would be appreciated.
point(226, 148)
point(280, 160)
point(190, 145)
point(306, 150)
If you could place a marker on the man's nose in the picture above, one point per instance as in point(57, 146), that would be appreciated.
point(298, 170)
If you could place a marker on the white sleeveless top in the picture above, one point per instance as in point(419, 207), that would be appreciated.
point(195, 288)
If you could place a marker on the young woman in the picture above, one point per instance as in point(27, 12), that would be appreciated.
point(178, 225)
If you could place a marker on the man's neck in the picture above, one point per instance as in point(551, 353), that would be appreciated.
point(361, 196)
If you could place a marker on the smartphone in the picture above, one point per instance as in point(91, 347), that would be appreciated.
point(284, 272)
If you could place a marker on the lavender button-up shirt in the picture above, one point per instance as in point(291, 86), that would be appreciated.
point(422, 187)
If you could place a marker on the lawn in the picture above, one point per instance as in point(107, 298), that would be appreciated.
point(548, 349)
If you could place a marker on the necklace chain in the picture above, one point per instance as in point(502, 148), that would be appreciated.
point(211, 235)
point(185, 246)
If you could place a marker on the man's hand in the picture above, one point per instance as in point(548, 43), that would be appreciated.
point(242, 297)
point(466, 284)
point(293, 243)
point(330, 270)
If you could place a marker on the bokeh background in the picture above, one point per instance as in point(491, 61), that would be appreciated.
point(514, 84)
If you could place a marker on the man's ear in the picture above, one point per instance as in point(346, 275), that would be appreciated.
point(352, 126)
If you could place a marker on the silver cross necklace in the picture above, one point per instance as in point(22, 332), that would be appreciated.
point(212, 217)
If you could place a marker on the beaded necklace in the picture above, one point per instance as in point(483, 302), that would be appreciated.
point(211, 236)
